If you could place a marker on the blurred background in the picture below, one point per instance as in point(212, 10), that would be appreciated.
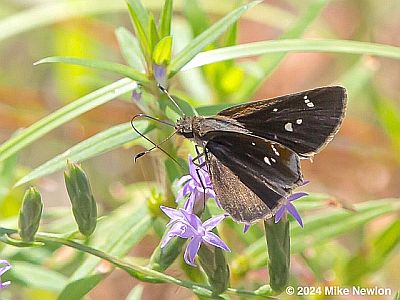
point(362, 163)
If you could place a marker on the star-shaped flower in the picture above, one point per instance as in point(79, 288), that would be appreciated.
point(189, 226)
point(288, 206)
point(197, 184)
point(4, 267)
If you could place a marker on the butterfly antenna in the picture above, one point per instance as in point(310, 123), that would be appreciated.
point(164, 90)
point(155, 146)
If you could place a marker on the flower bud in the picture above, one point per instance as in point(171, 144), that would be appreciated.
point(162, 258)
point(30, 214)
point(84, 206)
point(278, 243)
point(213, 262)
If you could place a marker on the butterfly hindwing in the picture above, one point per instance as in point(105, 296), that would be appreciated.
point(303, 122)
point(267, 168)
point(235, 197)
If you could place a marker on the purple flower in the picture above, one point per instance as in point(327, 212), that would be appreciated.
point(189, 226)
point(288, 206)
point(193, 185)
point(4, 267)
point(160, 75)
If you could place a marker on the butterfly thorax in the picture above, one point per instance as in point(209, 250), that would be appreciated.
point(199, 129)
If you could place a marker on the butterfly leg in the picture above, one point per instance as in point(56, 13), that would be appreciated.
point(198, 156)
point(202, 185)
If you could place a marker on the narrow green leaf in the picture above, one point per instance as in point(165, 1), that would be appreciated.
point(130, 49)
point(210, 110)
point(141, 33)
point(339, 221)
point(77, 289)
point(36, 277)
point(153, 33)
point(140, 12)
point(187, 109)
point(97, 64)
point(196, 16)
point(385, 243)
point(102, 142)
point(294, 45)
point(388, 114)
point(231, 35)
point(207, 37)
point(166, 18)
point(163, 51)
point(65, 114)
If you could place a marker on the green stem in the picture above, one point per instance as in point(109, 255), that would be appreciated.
point(142, 273)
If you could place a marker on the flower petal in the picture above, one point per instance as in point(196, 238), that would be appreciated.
point(296, 196)
point(183, 179)
point(191, 250)
point(186, 189)
point(192, 220)
point(213, 239)
point(178, 229)
point(293, 211)
point(246, 227)
point(279, 213)
point(213, 222)
point(4, 266)
point(192, 168)
point(172, 213)
point(4, 284)
point(189, 204)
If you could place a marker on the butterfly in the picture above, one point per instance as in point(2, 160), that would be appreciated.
point(253, 150)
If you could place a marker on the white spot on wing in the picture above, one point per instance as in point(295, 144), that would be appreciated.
point(275, 110)
point(266, 159)
point(253, 143)
point(299, 121)
point(306, 101)
point(310, 104)
point(273, 159)
point(274, 149)
point(305, 97)
point(288, 127)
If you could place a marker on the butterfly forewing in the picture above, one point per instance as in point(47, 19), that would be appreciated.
point(303, 122)
point(267, 168)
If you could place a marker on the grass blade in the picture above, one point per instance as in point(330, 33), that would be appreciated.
point(97, 64)
point(100, 143)
point(207, 37)
point(65, 114)
point(293, 45)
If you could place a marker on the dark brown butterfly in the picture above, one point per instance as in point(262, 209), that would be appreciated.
point(253, 150)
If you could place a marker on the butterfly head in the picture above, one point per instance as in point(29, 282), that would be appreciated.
point(184, 127)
